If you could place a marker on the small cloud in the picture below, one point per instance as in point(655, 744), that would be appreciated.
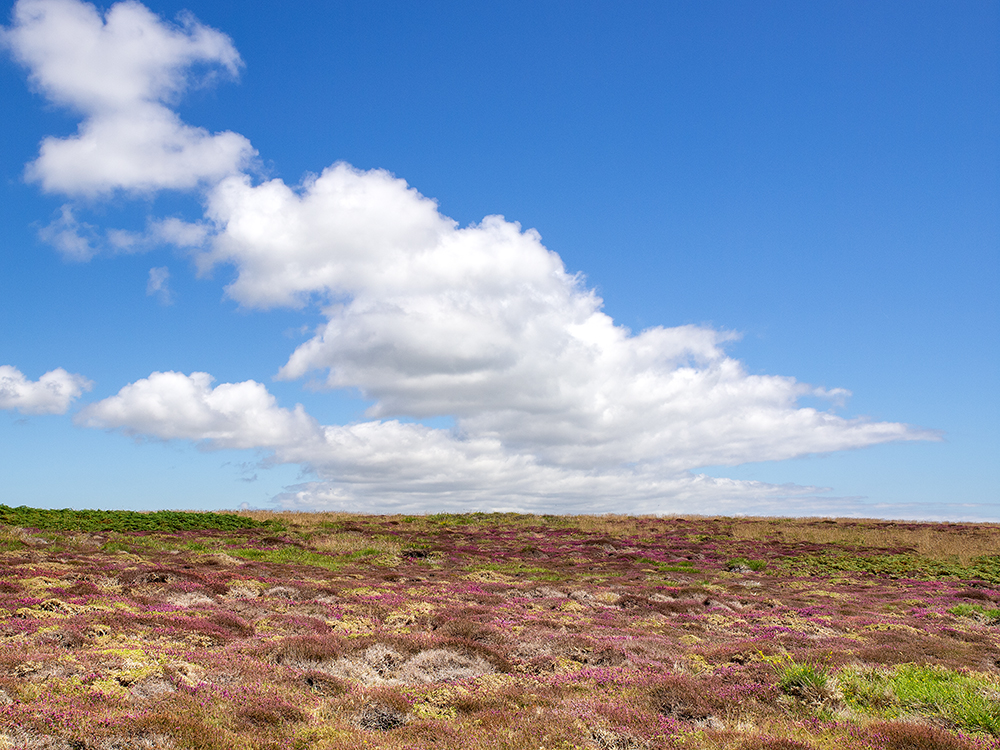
point(79, 241)
point(171, 405)
point(298, 332)
point(74, 239)
point(180, 233)
point(836, 397)
point(159, 285)
point(50, 394)
point(125, 241)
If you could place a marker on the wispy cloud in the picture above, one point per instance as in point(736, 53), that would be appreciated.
point(158, 285)
point(75, 240)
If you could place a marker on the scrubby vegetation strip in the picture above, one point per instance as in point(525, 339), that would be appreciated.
point(126, 520)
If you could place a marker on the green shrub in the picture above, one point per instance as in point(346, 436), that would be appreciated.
point(868, 691)
point(678, 566)
point(9, 543)
point(126, 520)
point(985, 568)
point(363, 553)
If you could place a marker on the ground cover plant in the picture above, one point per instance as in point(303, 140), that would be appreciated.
point(328, 631)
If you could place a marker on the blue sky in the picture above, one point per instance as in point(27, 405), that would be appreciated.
point(822, 180)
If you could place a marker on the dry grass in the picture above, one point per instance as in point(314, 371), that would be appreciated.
point(962, 542)
point(349, 542)
point(936, 541)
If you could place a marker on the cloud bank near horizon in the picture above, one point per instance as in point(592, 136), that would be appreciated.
point(554, 405)
point(392, 465)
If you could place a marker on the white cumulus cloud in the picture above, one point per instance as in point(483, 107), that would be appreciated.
point(484, 324)
point(394, 465)
point(120, 72)
point(390, 465)
point(50, 394)
point(552, 402)
point(171, 405)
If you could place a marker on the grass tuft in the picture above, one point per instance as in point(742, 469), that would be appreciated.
point(961, 700)
point(987, 616)
point(742, 563)
point(806, 681)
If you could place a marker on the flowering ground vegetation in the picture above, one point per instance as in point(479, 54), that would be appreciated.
point(337, 631)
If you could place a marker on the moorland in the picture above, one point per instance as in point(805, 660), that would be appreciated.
point(326, 631)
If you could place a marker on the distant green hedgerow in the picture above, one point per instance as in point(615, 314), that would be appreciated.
point(126, 520)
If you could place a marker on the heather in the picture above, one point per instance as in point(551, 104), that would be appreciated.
point(331, 631)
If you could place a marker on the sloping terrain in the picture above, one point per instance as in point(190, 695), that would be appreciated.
point(495, 631)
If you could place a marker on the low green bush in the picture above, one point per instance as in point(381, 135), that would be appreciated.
point(868, 691)
point(955, 696)
point(126, 520)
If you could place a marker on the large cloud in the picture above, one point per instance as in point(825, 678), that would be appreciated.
point(551, 401)
point(50, 394)
point(390, 465)
point(484, 324)
point(120, 72)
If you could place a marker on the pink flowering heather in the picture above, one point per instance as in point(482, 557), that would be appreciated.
point(500, 631)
